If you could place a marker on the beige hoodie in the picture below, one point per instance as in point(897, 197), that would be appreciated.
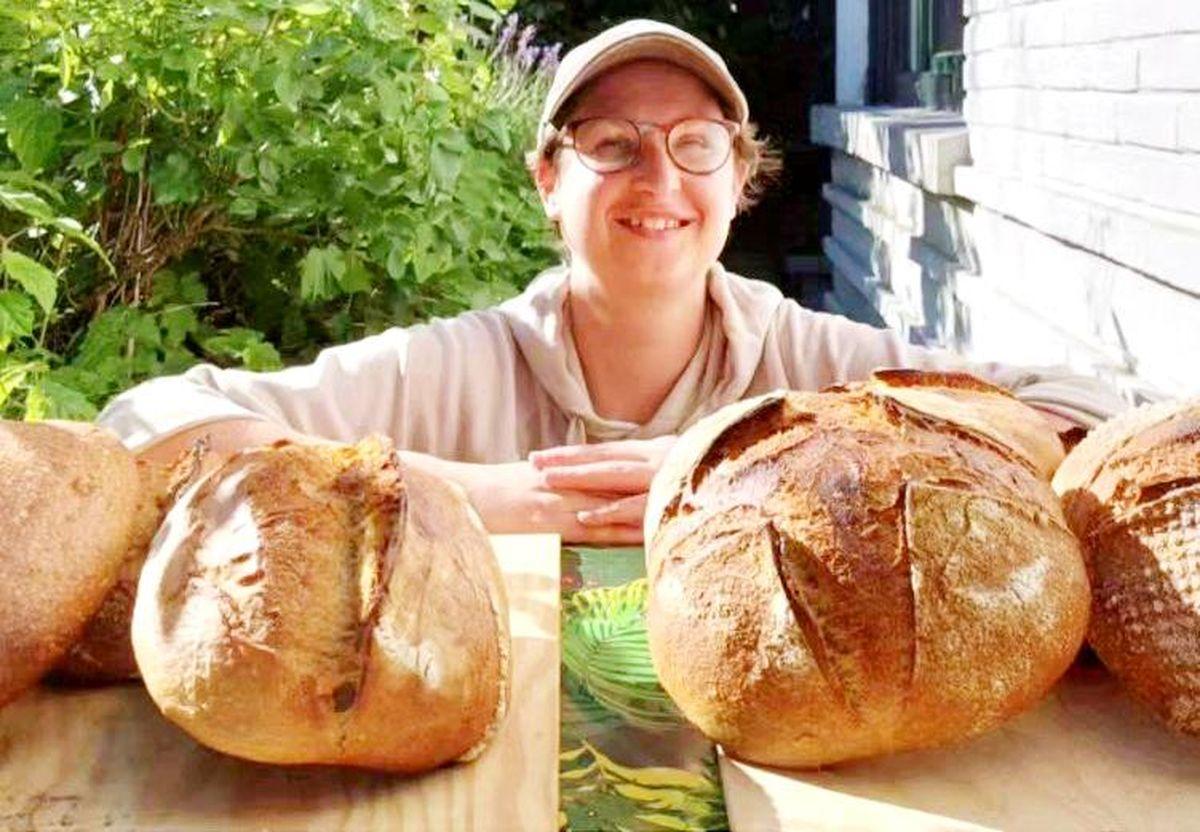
point(493, 385)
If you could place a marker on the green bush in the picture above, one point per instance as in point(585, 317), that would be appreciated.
point(246, 181)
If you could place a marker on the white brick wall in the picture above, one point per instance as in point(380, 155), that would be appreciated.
point(1072, 233)
point(1084, 124)
point(1161, 179)
point(1054, 22)
point(1170, 63)
point(1189, 125)
point(1102, 94)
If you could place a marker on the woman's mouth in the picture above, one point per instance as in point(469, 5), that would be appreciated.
point(652, 227)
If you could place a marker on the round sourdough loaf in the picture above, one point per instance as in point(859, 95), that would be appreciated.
point(1131, 492)
point(874, 568)
point(104, 653)
point(321, 604)
point(68, 500)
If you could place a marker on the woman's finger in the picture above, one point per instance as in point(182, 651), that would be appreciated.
point(580, 454)
point(607, 535)
point(627, 511)
point(622, 477)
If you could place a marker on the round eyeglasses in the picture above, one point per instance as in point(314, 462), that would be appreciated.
point(608, 145)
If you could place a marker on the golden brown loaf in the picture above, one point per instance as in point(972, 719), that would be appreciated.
point(68, 497)
point(320, 604)
point(1131, 492)
point(104, 652)
point(843, 574)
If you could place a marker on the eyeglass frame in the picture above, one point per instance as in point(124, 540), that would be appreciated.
point(566, 138)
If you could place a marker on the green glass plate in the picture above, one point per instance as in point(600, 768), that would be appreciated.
point(629, 760)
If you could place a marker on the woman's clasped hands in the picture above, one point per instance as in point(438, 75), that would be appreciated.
point(585, 493)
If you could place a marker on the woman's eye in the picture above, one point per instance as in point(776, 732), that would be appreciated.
point(692, 140)
point(612, 146)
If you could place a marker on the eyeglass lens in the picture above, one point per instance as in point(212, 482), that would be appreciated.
point(610, 144)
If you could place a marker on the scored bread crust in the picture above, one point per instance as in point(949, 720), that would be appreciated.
point(68, 497)
point(320, 604)
point(842, 574)
point(979, 406)
point(1131, 492)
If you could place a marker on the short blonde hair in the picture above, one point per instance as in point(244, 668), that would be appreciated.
point(761, 160)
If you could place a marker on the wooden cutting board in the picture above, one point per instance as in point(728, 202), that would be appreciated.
point(106, 758)
point(1087, 758)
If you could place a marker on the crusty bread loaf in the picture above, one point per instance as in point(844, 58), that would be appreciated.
point(68, 499)
point(320, 604)
point(1131, 492)
point(842, 574)
point(978, 406)
point(104, 653)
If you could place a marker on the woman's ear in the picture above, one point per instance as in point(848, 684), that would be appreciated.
point(546, 179)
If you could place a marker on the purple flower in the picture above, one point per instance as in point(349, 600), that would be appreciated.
point(550, 59)
point(526, 39)
point(528, 57)
point(506, 33)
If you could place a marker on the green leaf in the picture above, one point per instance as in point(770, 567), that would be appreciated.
point(49, 399)
point(177, 324)
point(33, 130)
point(484, 10)
point(288, 90)
point(16, 317)
point(606, 652)
point(24, 202)
point(454, 141)
point(312, 8)
point(243, 208)
point(248, 346)
point(391, 103)
point(246, 167)
point(71, 228)
point(357, 277)
point(320, 271)
point(661, 821)
point(268, 171)
point(396, 260)
point(175, 180)
point(172, 287)
point(382, 183)
point(32, 276)
point(495, 124)
point(445, 165)
point(132, 158)
point(13, 376)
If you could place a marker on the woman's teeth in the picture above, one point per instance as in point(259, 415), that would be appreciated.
point(653, 223)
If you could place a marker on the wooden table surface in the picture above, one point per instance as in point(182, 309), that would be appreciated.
point(106, 758)
point(1086, 758)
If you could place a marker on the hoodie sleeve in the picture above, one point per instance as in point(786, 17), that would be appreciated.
point(420, 386)
point(817, 349)
point(347, 392)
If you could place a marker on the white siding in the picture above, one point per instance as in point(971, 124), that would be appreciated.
point(1071, 232)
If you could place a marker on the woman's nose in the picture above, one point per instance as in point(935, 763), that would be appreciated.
point(655, 169)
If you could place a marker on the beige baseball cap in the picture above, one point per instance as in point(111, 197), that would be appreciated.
point(639, 39)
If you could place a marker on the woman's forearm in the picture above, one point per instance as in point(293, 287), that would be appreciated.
point(224, 437)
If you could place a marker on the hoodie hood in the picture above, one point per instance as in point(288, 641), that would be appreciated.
point(738, 317)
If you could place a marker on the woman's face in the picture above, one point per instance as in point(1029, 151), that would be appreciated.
point(603, 217)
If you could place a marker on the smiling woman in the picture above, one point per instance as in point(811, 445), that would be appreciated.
point(555, 409)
